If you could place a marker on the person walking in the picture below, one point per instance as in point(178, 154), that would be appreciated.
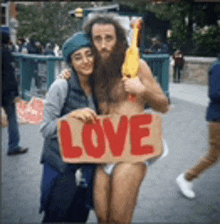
point(185, 180)
point(9, 97)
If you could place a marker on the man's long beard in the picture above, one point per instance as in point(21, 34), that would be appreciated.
point(107, 74)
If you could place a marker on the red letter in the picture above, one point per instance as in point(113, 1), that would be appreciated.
point(137, 133)
point(69, 151)
point(94, 151)
point(116, 140)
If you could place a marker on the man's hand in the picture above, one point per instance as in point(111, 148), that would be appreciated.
point(133, 85)
point(84, 114)
point(65, 74)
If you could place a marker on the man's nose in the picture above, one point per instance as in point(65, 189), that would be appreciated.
point(103, 44)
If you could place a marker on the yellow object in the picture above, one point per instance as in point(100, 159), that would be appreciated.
point(78, 12)
point(132, 57)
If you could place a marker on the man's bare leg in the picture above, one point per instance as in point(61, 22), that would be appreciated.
point(126, 181)
point(102, 187)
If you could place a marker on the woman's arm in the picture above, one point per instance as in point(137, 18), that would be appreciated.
point(53, 105)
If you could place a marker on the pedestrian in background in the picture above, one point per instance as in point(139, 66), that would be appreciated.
point(20, 43)
point(31, 47)
point(49, 49)
point(56, 50)
point(39, 47)
point(13, 47)
point(9, 96)
point(178, 57)
point(158, 46)
point(24, 47)
point(185, 180)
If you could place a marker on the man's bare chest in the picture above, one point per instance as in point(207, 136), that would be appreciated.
point(120, 103)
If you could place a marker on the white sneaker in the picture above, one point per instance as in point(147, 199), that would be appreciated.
point(185, 186)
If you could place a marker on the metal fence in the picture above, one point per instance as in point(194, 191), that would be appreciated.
point(36, 73)
point(159, 64)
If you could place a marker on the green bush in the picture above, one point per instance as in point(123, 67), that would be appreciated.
point(208, 40)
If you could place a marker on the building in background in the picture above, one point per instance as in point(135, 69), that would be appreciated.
point(9, 19)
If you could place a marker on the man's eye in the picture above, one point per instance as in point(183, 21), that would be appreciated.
point(109, 38)
point(97, 39)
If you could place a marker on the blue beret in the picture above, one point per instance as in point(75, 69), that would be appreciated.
point(74, 43)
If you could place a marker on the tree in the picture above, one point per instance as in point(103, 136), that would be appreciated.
point(187, 17)
point(48, 21)
point(207, 40)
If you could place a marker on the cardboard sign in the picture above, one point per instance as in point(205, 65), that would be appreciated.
point(110, 139)
point(31, 112)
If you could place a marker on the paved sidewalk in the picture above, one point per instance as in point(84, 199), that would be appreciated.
point(160, 201)
point(197, 94)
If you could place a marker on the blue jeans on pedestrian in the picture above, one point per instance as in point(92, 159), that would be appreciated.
point(13, 132)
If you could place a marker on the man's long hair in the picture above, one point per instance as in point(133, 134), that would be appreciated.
point(108, 73)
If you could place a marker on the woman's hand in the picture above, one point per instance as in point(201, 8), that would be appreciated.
point(84, 114)
point(65, 74)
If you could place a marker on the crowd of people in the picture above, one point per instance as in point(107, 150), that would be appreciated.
point(94, 86)
point(30, 46)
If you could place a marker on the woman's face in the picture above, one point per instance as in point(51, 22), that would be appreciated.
point(83, 61)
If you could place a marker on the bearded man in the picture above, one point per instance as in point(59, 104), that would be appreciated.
point(116, 186)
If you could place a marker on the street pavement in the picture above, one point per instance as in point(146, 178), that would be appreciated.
point(160, 201)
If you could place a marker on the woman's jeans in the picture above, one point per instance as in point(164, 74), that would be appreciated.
point(13, 132)
point(212, 155)
point(62, 201)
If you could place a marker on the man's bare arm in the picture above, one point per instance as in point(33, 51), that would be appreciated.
point(152, 92)
point(146, 86)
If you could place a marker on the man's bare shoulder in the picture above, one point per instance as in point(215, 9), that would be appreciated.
point(144, 71)
point(144, 65)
